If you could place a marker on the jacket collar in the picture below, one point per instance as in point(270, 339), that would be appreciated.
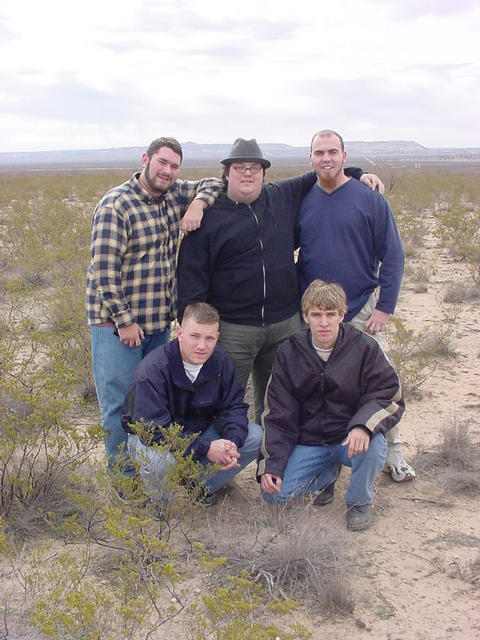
point(303, 339)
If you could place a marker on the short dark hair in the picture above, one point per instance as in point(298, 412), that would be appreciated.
point(202, 313)
point(171, 143)
point(325, 133)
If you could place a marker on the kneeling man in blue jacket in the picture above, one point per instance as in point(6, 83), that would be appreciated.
point(191, 382)
point(330, 400)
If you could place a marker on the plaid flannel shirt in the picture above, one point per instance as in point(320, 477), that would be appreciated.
point(131, 277)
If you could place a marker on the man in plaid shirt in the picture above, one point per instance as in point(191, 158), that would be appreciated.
point(131, 288)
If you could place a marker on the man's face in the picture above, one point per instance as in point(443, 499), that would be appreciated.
point(197, 341)
point(324, 325)
point(327, 158)
point(160, 171)
point(245, 181)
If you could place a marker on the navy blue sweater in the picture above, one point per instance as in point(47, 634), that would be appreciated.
point(350, 237)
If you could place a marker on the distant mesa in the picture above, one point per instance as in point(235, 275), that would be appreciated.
point(210, 155)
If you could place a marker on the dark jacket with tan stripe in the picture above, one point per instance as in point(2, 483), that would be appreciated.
point(312, 402)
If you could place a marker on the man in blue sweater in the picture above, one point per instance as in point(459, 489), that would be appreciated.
point(347, 234)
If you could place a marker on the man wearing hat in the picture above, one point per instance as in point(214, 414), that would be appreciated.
point(241, 262)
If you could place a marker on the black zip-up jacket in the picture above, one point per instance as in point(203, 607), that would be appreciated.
point(160, 394)
point(240, 260)
point(312, 402)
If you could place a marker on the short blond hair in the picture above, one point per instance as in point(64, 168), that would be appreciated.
point(327, 296)
point(202, 313)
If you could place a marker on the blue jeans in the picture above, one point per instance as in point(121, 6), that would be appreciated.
point(113, 365)
point(155, 463)
point(311, 469)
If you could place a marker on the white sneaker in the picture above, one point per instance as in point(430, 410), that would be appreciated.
point(402, 472)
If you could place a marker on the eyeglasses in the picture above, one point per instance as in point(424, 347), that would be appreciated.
point(241, 168)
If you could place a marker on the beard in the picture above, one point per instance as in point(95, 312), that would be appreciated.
point(157, 189)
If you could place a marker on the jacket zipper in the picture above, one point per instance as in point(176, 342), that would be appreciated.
point(263, 264)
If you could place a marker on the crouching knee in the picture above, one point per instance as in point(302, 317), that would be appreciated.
point(275, 498)
point(254, 438)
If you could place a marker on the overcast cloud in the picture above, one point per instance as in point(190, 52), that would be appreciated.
point(110, 73)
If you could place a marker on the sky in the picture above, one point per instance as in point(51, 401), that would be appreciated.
point(118, 73)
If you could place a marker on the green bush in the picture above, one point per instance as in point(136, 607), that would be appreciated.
point(459, 231)
point(416, 354)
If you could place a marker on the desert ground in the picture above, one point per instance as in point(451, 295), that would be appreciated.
point(415, 574)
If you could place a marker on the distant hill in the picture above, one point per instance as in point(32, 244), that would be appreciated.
point(211, 154)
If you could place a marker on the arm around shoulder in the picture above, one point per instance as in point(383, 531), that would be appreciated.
point(206, 189)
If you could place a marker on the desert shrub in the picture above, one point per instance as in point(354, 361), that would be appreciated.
point(40, 444)
point(413, 192)
point(419, 275)
point(413, 228)
point(419, 197)
point(459, 231)
point(286, 550)
point(232, 613)
point(459, 292)
point(472, 572)
point(95, 490)
point(465, 569)
point(416, 354)
point(125, 579)
point(64, 335)
point(454, 463)
point(70, 601)
point(41, 240)
point(456, 448)
point(437, 343)
point(47, 241)
point(122, 578)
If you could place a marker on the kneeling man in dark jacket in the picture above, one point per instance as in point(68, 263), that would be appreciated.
point(331, 398)
point(190, 382)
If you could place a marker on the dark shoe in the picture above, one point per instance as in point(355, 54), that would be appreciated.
point(325, 496)
point(359, 516)
point(207, 500)
point(198, 493)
